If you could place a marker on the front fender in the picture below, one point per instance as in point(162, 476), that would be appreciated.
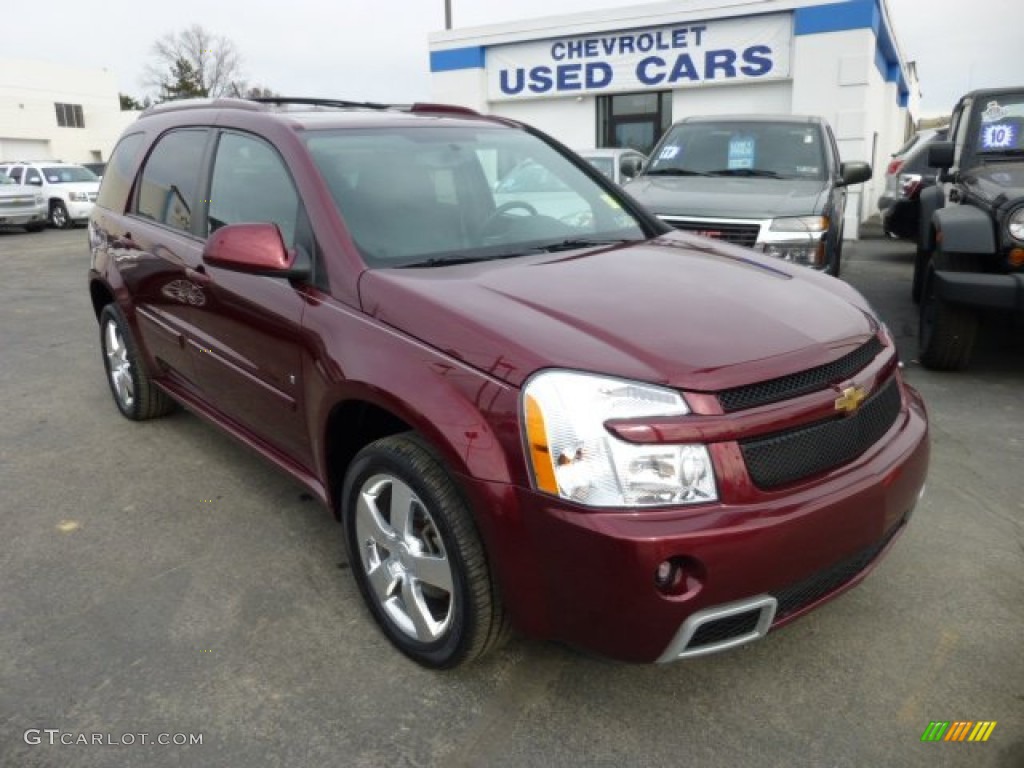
point(931, 200)
point(964, 229)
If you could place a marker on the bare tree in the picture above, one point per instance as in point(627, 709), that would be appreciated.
point(213, 59)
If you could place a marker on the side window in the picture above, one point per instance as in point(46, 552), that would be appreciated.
point(168, 190)
point(15, 174)
point(251, 184)
point(117, 179)
point(32, 176)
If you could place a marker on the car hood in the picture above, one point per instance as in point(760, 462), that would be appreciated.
point(729, 197)
point(677, 310)
point(997, 180)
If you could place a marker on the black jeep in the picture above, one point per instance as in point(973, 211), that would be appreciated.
point(970, 253)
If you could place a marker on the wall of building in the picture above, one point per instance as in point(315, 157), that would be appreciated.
point(29, 91)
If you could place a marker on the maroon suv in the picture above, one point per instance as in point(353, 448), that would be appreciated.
point(530, 403)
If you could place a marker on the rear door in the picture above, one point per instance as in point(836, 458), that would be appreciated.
point(159, 258)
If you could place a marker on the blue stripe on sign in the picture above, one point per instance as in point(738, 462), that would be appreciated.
point(836, 17)
point(457, 58)
point(904, 98)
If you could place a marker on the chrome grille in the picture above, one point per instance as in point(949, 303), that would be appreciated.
point(739, 233)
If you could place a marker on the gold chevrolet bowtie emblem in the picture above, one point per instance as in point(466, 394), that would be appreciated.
point(850, 399)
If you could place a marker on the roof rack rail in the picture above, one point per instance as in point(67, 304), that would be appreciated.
point(319, 102)
point(203, 103)
point(426, 106)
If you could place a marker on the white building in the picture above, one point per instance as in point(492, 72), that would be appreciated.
point(621, 77)
point(51, 111)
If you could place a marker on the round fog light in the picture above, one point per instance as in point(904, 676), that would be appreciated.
point(665, 574)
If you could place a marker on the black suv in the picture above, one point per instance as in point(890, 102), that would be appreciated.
point(971, 246)
point(907, 176)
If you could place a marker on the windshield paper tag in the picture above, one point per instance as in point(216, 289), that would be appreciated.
point(668, 153)
point(994, 112)
point(999, 136)
point(741, 152)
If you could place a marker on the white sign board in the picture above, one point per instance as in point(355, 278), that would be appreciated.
point(657, 58)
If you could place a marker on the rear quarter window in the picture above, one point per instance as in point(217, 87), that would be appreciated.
point(117, 180)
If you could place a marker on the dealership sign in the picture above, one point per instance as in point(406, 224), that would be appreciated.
point(659, 58)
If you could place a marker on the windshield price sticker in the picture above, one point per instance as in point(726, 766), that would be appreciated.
point(741, 152)
point(668, 153)
point(1000, 136)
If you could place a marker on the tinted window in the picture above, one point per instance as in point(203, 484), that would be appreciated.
point(473, 193)
point(168, 191)
point(738, 148)
point(32, 175)
point(117, 179)
point(251, 184)
point(16, 174)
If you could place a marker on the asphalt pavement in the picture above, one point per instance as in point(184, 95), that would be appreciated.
point(161, 579)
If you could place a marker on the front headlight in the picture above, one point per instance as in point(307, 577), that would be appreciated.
point(573, 456)
point(1015, 226)
point(800, 224)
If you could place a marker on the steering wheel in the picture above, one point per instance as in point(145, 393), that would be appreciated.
point(504, 208)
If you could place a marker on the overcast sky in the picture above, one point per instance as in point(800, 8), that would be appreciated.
point(377, 50)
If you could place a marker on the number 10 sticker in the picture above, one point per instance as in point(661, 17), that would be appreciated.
point(999, 136)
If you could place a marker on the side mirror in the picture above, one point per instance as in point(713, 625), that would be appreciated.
point(941, 154)
point(631, 166)
point(255, 249)
point(854, 173)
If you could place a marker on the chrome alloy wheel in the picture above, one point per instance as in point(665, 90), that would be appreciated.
point(404, 558)
point(119, 367)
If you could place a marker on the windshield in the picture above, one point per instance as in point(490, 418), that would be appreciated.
point(741, 148)
point(66, 174)
point(430, 195)
point(1001, 125)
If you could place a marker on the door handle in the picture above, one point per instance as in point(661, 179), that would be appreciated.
point(197, 275)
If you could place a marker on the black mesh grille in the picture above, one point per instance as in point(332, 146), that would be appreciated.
point(786, 457)
point(740, 234)
point(795, 384)
point(720, 630)
point(795, 597)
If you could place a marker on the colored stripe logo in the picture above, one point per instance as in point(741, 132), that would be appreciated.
point(958, 730)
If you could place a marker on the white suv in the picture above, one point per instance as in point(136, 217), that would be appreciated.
point(21, 206)
point(70, 190)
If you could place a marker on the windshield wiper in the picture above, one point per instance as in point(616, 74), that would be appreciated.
point(746, 172)
point(675, 172)
point(583, 242)
point(445, 261)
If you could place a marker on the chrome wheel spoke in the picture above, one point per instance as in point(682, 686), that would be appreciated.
point(402, 500)
point(369, 522)
point(423, 623)
point(382, 581)
point(432, 570)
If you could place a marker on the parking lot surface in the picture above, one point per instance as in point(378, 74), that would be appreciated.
point(160, 579)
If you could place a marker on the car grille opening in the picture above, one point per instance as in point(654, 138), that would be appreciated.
point(799, 595)
point(739, 234)
point(793, 385)
point(720, 630)
point(786, 457)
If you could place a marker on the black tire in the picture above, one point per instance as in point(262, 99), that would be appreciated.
point(59, 217)
point(835, 267)
point(126, 370)
point(35, 227)
point(946, 332)
point(456, 625)
point(921, 259)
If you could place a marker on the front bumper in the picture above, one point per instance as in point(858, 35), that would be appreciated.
point(588, 578)
point(988, 291)
point(79, 211)
point(21, 218)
